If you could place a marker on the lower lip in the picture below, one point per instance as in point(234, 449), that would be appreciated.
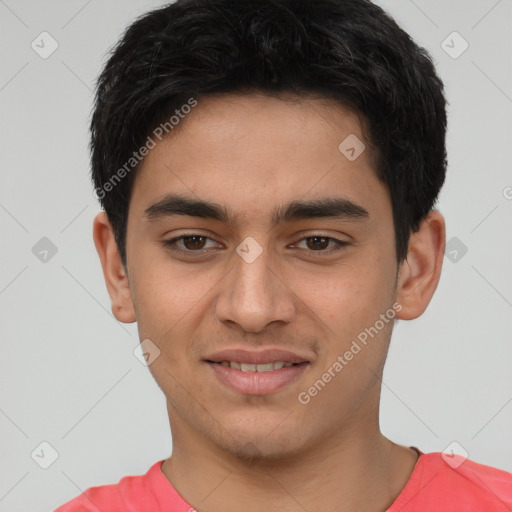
point(257, 383)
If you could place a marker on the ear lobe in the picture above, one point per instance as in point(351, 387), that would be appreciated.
point(419, 274)
point(114, 272)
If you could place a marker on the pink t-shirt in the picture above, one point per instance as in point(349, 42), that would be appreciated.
point(435, 484)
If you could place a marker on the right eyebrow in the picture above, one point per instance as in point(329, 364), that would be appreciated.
point(180, 205)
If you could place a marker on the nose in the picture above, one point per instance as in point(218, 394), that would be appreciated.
point(255, 294)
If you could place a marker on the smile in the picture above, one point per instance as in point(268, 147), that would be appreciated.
point(249, 367)
point(257, 379)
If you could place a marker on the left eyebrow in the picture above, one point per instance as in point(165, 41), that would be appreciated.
point(335, 208)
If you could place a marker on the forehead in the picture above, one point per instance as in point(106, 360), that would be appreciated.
point(254, 152)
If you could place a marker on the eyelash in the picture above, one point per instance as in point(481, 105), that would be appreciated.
point(340, 244)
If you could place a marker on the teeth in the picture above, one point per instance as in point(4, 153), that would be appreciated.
point(249, 367)
point(267, 367)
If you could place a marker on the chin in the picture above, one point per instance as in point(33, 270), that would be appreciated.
point(261, 446)
point(252, 454)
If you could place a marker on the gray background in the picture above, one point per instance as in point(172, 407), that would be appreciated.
point(68, 374)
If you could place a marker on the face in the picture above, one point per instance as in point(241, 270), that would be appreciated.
point(278, 242)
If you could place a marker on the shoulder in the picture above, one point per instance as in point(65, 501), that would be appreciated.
point(455, 483)
point(128, 494)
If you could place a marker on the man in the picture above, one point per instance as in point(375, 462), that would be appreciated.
point(268, 171)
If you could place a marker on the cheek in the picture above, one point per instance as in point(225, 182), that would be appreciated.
point(350, 295)
point(168, 297)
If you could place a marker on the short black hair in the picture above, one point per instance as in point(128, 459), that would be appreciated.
point(347, 50)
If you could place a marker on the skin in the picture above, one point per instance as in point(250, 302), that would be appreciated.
point(232, 451)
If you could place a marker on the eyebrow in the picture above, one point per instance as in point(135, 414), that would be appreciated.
point(334, 208)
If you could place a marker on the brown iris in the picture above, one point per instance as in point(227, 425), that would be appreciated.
point(197, 242)
point(318, 240)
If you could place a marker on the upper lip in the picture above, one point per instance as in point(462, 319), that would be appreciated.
point(267, 355)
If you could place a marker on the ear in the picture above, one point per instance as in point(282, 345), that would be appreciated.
point(419, 273)
point(114, 272)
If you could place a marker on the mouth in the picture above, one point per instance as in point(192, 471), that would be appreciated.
point(257, 379)
point(257, 372)
point(260, 368)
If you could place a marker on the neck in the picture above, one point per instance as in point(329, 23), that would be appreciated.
point(355, 469)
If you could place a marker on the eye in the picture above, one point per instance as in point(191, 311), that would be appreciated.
point(191, 243)
point(319, 243)
point(197, 244)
